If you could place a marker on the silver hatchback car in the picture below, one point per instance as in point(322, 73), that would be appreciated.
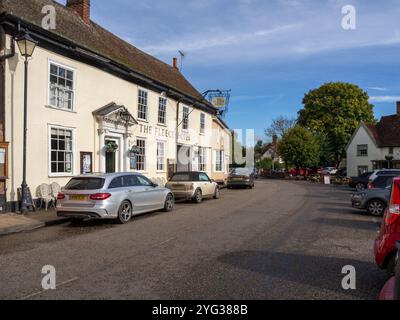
point(112, 196)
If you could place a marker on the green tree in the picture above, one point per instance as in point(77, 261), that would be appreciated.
point(300, 147)
point(334, 112)
point(265, 164)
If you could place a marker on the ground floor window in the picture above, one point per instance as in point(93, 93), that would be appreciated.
point(202, 159)
point(141, 155)
point(362, 169)
point(61, 151)
point(219, 159)
point(161, 156)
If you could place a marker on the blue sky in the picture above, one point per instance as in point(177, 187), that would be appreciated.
point(270, 53)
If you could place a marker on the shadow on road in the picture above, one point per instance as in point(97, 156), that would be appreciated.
point(351, 224)
point(316, 271)
point(336, 204)
point(349, 211)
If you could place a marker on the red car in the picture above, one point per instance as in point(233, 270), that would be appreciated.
point(391, 290)
point(385, 246)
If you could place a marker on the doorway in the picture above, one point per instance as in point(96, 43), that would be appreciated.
point(111, 159)
point(184, 158)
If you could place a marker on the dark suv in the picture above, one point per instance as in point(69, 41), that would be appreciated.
point(360, 183)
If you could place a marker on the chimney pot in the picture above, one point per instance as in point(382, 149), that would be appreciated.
point(81, 7)
point(175, 63)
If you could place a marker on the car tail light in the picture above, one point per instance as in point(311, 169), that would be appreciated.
point(371, 186)
point(394, 207)
point(61, 196)
point(100, 196)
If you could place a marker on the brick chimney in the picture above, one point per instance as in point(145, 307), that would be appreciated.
point(175, 63)
point(81, 7)
point(398, 108)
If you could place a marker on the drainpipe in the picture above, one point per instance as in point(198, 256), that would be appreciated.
point(177, 133)
point(3, 79)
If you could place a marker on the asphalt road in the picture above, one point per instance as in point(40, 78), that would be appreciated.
point(282, 240)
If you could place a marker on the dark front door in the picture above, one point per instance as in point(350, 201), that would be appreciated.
point(110, 161)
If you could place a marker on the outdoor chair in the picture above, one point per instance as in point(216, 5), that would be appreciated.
point(45, 196)
point(55, 190)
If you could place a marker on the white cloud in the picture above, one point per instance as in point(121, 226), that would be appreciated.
point(229, 31)
point(384, 99)
point(215, 41)
point(378, 88)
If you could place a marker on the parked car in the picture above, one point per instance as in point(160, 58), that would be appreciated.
point(382, 181)
point(112, 196)
point(391, 290)
point(329, 170)
point(241, 177)
point(377, 173)
point(361, 182)
point(385, 244)
point(301, 172)
point(375, 201)
point(193, 186)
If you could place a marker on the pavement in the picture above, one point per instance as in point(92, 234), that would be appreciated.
point(14, 223)
point(284, 240)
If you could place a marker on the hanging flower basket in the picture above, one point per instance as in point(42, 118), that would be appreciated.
point(133, 152)
point(111, 146)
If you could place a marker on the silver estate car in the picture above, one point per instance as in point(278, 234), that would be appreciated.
point(112, 196)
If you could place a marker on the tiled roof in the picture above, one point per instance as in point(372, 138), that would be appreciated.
point(387, 131)
point(102, 42)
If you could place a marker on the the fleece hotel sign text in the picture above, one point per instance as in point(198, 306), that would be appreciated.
point(161, 132)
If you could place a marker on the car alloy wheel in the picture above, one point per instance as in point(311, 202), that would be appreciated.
point(376, 208)
point(125, 212)
point(169, 203)
point(198, 198)
point(360, 187)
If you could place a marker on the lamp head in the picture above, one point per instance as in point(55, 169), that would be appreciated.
point(26, 45)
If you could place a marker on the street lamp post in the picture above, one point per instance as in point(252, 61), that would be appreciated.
point(26, 47)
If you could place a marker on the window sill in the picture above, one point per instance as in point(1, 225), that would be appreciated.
point(142, 120)
point(60, 109)
point(162, 125)
point(61, 175)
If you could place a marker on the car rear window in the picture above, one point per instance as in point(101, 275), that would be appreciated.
point(241, 172)
point(185, 177)
point(383, 181)
point(85, 184)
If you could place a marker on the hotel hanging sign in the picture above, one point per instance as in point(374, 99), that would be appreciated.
point(219, 99)
point(219, 102)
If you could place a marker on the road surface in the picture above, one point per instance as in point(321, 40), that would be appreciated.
point(282, 240)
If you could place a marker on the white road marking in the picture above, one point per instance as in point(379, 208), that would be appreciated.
point(43, 291)
point(164, 242)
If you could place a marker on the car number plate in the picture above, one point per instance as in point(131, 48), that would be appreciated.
point(78, 197)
